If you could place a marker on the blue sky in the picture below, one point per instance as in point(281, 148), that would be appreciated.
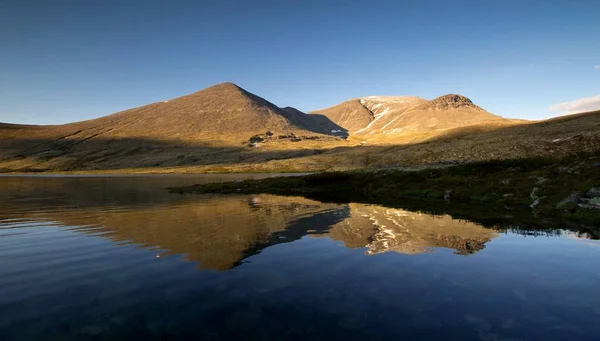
point(70, 60)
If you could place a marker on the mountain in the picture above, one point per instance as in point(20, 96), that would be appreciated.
point(316, 122)
point(216, 112)
point(208, 126)
point(386, 116)
point(351, 115)
point(221, 110)
point(556, 138)
point(225, 128)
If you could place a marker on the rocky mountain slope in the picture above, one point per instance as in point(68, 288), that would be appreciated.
point(390, 117)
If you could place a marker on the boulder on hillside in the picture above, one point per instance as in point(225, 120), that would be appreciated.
point(571, 199)
point(593, 192)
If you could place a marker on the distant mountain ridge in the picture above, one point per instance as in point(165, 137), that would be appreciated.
point(226, 111)
point(226, 128)
point(396, 115)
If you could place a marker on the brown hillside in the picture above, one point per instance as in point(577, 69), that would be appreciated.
point(208, 126)
point(399, 117)
point(218, 112)
point(445, 112)
point(214, 131)
point(556, 137)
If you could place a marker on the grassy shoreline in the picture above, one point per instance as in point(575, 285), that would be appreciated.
point(537, 185)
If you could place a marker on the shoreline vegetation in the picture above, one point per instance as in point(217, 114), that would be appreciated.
point(536, 189)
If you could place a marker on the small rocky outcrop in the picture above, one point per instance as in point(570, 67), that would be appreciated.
point(593, 192)
point(256, 139)
point(451, 101)
point(269, 136)
point(571, 199)
point(589, 200)
point(448, 195)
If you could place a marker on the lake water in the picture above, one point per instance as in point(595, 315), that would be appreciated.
point(119, 258)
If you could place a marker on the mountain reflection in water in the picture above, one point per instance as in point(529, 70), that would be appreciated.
point(121, 258)
point(221, 232)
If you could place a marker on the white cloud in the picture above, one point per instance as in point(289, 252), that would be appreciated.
point(576, 106)
point(597, 67)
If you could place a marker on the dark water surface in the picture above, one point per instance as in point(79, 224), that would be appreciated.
point(104, 258)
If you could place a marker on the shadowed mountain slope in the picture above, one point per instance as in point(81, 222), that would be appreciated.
point(351, 115)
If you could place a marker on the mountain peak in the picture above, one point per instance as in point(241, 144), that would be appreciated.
point(391, 99)
point(451, 101)
point(227, 94)
point(375, 116)
point(225, 86)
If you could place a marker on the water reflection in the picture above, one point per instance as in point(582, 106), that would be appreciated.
point(33, 194)
point(219, 232)
point(381, 229)
point(120, 258)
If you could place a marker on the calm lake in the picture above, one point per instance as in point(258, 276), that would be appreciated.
point(120, 258)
